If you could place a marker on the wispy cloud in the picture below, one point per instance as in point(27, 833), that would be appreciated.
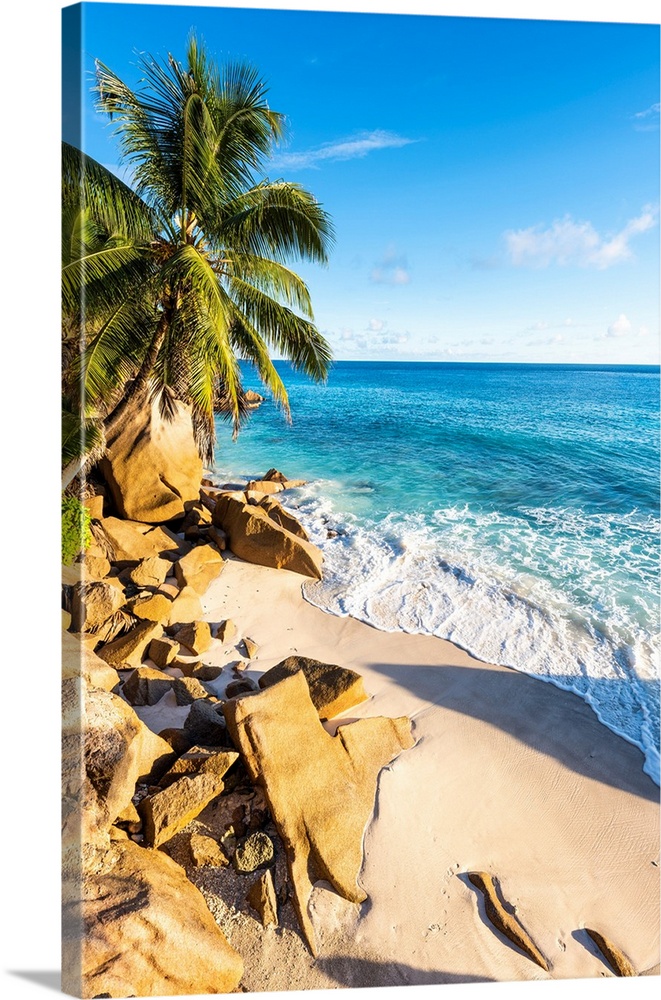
point(647, 120)
point(374, 338)
point(566, 242)
point(392, 269)
point(485, 263)
point(351, 148)
point(556, 338)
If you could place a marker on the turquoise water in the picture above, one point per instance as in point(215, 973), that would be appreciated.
point(513, 509)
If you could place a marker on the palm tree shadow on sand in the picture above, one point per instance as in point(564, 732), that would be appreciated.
point(552, 721)
point(362, 972)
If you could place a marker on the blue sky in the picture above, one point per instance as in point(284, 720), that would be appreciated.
point(494, 183)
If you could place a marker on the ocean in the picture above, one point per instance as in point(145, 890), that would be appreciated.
point(513, 509)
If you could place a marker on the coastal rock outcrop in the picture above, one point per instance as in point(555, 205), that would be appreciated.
point(119, 750)
point(504, 921)
point(185, 608)
point(263, 486)
point(257, 538)
point(131, 542)
point(333, 689)
point(320, 789)
point(226, 630)
point(151, 607)
point(206, 851)
point(163, 651)
point(142, 929)
point(196, 636)
point(171, 809)
point(200, 671)
point(274, 476)
point(188, 689)
point(93, 603)
point(282, 517)
point(151, 572)
point(199, 567)
point(616, 958)
point(252, 399)
point(261, 897)
point(151, 464)
point(128, 650)
point(146, 686)
point(206, 725)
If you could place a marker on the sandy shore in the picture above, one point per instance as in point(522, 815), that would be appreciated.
point(508, 775)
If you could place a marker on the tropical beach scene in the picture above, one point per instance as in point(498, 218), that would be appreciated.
point(360, 500)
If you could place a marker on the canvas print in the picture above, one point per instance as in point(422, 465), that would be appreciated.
point(360, 500)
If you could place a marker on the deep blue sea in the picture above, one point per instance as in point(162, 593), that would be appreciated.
point(513, 509)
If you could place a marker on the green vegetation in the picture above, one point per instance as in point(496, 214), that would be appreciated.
point(187, 271)
point(76, 533)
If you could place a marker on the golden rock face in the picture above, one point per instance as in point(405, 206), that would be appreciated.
point(152, 465)
point(147, 931)
point(256, 537)
point(320, 788)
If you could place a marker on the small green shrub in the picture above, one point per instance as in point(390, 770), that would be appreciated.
point(76, 533)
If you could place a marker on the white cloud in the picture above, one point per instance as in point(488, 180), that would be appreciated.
point(373, 339)
point(391, 270)
point(354, 147)
point(620, 328)
point(647, 120)
point(567, 242)
point(643, 331)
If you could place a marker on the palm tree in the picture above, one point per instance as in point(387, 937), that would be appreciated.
point(169, 282)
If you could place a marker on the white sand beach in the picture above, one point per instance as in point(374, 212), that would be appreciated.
point(509, 776)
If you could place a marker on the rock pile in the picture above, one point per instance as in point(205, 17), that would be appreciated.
point(133, 922)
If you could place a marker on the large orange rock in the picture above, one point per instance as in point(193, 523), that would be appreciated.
point(129, 649)
point(83, 664)
point(152, 465)
point(119, 750)
point(255, 537)
point(93, 603)
point(142, 929)
point(333, 689)
point(198, 567)
point(282, 517)
point(196, 783)
point(320, 788)
point(133, 541)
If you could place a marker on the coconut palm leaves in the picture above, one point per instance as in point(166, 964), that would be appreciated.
point(187, 271)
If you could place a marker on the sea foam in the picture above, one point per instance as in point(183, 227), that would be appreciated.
point(442, 574)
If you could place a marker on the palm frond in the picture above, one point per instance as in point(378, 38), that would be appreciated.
point(207, 314)
point(293, 336)
point(104, 366)
point(270, 276)
point(251, 347)
point(81, 439)
point(88, 185)
point(280, 221)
